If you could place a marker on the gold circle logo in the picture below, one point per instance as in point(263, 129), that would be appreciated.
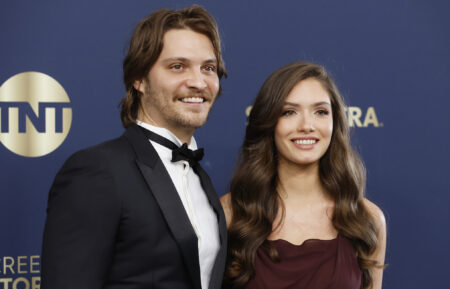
point(35, 114)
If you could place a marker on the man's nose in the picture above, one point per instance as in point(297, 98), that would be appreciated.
point(196, 80)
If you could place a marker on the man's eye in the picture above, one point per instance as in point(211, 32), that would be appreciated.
point(209, 68)
point(176, 67)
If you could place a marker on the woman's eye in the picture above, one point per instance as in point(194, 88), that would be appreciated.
point(288, 112)
point(322, 112)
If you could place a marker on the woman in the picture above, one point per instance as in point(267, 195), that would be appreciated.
point(296, 214)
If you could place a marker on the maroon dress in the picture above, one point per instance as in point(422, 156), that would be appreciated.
point(316, 264)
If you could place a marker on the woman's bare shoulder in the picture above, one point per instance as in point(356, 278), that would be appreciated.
point(225, 200)
point(376, 213)
point(380, 251)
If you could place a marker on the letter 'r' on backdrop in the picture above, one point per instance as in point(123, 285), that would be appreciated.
point(61, 82)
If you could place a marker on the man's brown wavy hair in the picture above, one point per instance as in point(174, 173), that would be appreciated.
point(254, 197)
point(147, 43)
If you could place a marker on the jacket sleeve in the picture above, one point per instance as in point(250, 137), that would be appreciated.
point(83, 216)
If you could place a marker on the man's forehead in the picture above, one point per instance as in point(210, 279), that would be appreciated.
point(186, 44)
point(186, 60)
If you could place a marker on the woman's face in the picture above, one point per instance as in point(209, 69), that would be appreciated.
point(303, 131)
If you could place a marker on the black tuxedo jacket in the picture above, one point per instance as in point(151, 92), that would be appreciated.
point(114, 220)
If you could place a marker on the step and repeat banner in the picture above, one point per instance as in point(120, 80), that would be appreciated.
point(61, 83)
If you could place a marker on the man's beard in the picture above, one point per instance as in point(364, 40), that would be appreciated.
point(174, 116)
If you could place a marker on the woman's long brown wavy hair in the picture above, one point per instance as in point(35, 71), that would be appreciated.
point(254, 197)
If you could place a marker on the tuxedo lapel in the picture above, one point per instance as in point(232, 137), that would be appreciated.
point(219, 265)
point(213, 200)
point(168, 200)
point(164, 191)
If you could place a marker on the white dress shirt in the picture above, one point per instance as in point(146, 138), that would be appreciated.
point(194, 199)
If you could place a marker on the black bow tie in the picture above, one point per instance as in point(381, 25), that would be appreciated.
point(178, 153)
point(183, 153)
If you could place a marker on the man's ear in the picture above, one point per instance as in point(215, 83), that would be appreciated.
point(139, 85)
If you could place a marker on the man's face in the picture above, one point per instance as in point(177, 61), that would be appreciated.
point(182, 85)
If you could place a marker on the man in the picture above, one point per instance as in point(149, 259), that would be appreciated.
point(132, 213)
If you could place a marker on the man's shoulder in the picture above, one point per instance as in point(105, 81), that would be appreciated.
point(101, 155)
point(108, 148)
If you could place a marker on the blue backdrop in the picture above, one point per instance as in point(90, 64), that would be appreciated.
point(390, 60)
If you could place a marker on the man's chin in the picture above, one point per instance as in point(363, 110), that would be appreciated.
point(192, 123)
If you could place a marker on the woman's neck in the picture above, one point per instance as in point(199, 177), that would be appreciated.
point(300, 182)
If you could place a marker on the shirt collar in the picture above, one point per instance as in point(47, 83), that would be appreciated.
point(167, 134)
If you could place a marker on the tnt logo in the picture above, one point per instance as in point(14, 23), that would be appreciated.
point(35, 114)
